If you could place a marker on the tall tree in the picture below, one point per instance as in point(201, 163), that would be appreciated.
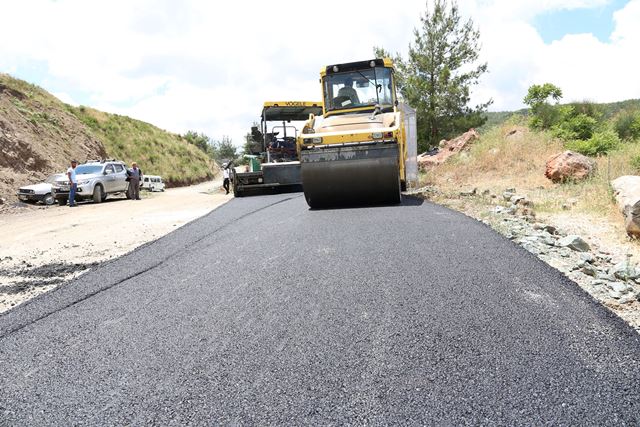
point(200, 140)
point(441, 68)
point(224, 149)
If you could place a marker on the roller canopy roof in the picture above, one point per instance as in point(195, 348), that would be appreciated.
point(290, 110)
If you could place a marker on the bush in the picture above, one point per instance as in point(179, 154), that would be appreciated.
point(627, 125)
point(588, 108)
point(581, 126)
point(635, 163)
point(600, 143)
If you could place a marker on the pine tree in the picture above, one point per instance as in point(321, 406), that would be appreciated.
point(437, 77)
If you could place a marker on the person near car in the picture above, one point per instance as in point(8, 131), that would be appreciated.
point(73, 183)
point(225, 176)
point(135, 177)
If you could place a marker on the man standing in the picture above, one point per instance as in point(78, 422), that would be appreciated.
point(135, 177)
point(73, 183)
point(225, 175)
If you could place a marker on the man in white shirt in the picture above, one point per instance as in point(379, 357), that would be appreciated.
point(225, 176)
point(73, 183)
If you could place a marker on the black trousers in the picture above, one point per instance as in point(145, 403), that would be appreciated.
point(225, 185)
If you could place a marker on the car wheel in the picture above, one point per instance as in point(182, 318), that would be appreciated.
point(98, 193)
point(48, 199)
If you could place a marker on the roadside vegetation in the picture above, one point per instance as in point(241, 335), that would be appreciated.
point(512, 156)
point(512, 153)
point(219, 151)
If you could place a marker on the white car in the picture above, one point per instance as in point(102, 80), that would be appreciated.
point(39, 192)
point(152, 183)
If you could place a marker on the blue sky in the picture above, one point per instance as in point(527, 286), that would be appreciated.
point(555, 24)
point(192, 65)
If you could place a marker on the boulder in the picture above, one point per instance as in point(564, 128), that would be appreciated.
point(574, 242)
point(515, 133)
point(568, 166)
point(627, 193)
point(447, 149)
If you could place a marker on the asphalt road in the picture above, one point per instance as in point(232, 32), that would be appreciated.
point(266, 312)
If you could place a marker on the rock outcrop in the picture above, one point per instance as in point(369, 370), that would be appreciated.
point(447, 149)
point(627, 193)
point(568, 166)
point(515, 133)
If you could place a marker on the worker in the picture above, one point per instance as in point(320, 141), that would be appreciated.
point(225, 176)
point(73, 183)
point(135, 178)
point(348, 91)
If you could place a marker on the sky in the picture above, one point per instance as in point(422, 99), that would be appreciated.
point(209, 66)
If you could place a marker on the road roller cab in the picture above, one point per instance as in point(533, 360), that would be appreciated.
point(364, 148)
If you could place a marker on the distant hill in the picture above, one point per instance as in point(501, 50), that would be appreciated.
point(609, 110)
point(39, 134)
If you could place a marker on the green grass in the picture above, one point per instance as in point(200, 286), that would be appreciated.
point(157, 152)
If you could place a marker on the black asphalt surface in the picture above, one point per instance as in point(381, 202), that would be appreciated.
point(265, 312)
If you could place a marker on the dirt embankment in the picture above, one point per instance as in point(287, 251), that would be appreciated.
point(37, 137)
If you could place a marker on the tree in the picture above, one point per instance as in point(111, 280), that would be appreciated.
point(437, 77)
point(543, 114)
point(224, 149)
point(200, 140)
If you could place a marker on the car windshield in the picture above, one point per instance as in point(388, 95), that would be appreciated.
point(52, 178)
point(88, 169)
point(360, 88)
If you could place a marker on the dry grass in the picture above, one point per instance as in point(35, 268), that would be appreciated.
point(497, 162)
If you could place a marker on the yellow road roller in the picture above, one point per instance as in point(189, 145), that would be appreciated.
point(363, 150)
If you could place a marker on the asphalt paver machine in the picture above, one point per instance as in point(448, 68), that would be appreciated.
point(275, 165)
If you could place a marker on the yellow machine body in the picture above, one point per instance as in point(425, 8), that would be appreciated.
point(358, 151)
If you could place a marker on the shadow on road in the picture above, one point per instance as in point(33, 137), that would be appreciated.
point(406, 201)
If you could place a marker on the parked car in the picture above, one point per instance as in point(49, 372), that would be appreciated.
point(42, 192)
point(96, 180)
point(152, 183)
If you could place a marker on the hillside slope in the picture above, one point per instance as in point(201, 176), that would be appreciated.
point(39, 134)
point(156, 151)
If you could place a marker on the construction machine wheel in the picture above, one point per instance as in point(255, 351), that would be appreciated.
point(350, 175)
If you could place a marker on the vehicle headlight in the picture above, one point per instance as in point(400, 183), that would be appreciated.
point(376, 135)
point(85, 182)
point(315, 140)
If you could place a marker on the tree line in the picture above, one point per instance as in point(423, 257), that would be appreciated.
point(221, 150)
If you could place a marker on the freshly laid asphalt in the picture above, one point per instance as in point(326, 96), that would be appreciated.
point(266, 312)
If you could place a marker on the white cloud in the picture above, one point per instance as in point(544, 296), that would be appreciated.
point(197, 65)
